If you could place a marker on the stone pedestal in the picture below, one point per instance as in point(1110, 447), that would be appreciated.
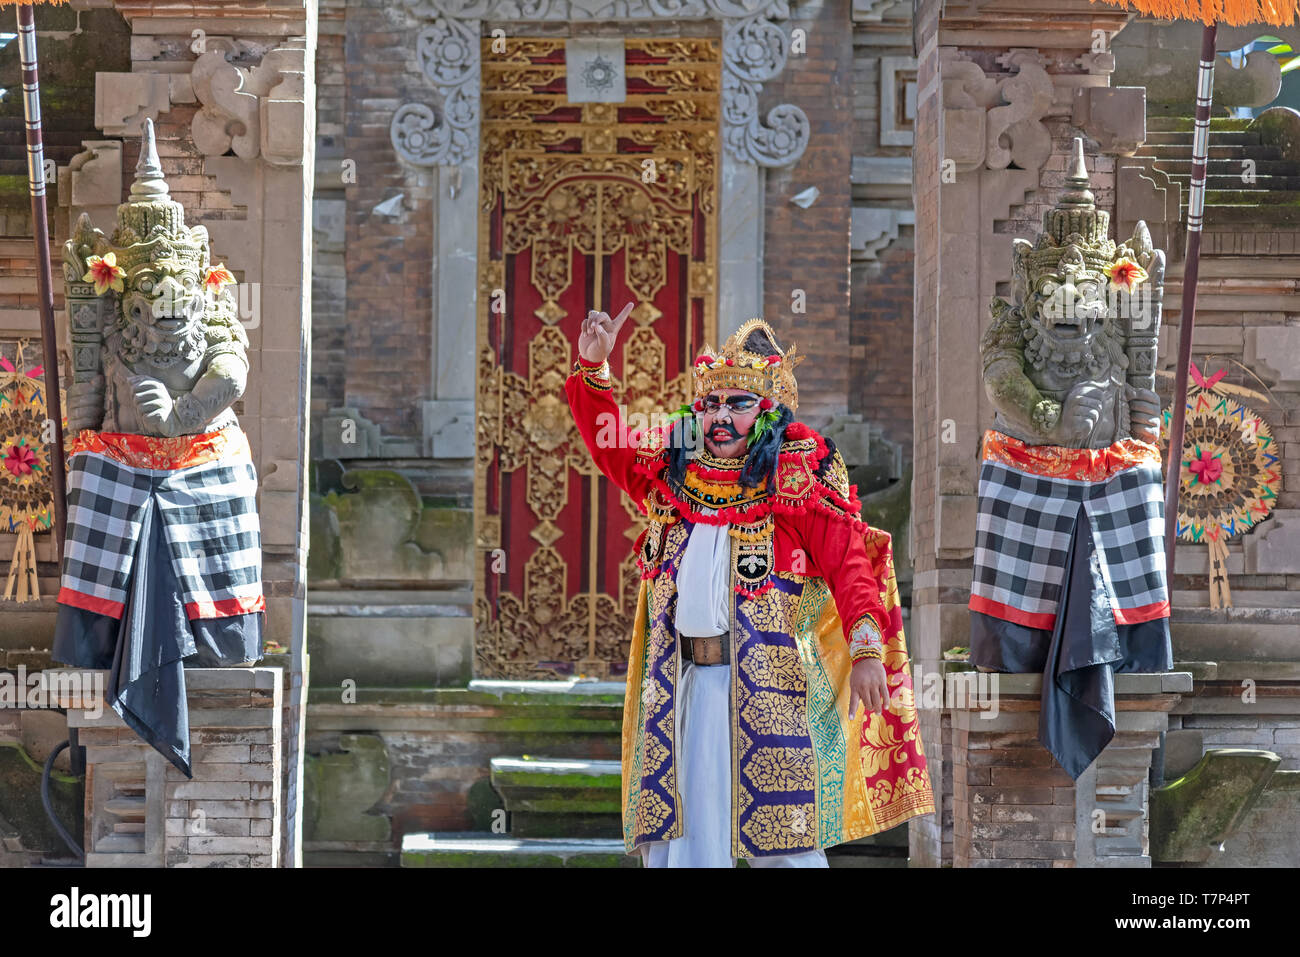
point(1013, 806)
point(142, 812)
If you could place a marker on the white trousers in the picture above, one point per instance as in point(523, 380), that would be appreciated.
point(704, 781)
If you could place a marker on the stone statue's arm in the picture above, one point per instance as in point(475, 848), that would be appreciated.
point(1009, 389)
point(86, 396)
point(221, 384)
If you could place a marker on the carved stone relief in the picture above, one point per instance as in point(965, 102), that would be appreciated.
point(255, 111)
point(755, 50)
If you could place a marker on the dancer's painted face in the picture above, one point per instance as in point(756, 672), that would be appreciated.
point(726, 421)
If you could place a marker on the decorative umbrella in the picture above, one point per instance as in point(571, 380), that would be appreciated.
point(25, 466)
point(1237, 13)
point(1231, 470)
point(44, 277)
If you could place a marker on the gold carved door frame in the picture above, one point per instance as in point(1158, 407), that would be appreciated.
point(581, 205)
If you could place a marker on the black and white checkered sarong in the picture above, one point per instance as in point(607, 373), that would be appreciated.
point(1022, 538)
point(209, 521)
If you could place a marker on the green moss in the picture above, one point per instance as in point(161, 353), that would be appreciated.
point(20, 801)
point(1205, 806)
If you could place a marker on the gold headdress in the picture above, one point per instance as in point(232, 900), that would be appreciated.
point(734, 367)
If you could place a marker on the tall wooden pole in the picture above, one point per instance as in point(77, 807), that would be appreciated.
point(1191, 270)
point(44, 279)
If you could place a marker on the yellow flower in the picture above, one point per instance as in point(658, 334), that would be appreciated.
point(105, 273)
point(1126, 274)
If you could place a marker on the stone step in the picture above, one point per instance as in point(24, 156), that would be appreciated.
point(560, 797)
point(429, 849)
point(392, 637)
point(1231, 181)
point(1188, 123)
point(1216, 151)
point(1217, 138)
point(1180, 167)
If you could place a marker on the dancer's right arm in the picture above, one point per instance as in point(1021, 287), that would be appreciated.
point(598, 417)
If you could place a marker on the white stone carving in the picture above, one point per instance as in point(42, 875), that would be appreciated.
point(123, 101)
point(256, 111)
point(873, 228)
point(594, 70)
point(755, 49)
point(995, 122)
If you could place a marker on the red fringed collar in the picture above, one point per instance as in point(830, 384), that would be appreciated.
point(798, 486)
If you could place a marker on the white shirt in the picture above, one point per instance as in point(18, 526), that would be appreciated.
point(704, 581)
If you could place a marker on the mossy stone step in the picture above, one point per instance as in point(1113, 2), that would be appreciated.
point(428, 849)
point(1217, 151)
point(1181, 168)
point(560, 797)
point(1217, 138)
point(1188, 123)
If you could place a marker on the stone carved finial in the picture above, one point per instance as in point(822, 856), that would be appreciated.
point(1078, 194)
point(149, 185)
point(156, 342)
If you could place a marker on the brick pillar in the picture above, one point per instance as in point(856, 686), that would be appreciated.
point(142, 812)
point(1013, 805)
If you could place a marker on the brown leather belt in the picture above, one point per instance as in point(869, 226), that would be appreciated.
point(707, 651)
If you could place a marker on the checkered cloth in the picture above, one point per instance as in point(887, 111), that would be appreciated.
point(210, 524)
point(1022, 538)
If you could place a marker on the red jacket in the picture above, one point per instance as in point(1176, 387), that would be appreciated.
point(817, 530)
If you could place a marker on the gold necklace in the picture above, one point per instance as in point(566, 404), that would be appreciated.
point(722, 494)
point(711, 461)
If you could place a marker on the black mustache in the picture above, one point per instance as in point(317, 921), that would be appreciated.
point(724, 425)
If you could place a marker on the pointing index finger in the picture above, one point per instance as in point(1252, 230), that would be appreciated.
point(622, 316)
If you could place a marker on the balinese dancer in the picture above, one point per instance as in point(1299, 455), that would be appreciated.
point(768, 615)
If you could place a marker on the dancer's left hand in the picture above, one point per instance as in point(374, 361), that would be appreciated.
point(867, 686)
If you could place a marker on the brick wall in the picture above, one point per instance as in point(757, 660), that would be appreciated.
point(880, 342)
point(378, 357)
point(808, 249)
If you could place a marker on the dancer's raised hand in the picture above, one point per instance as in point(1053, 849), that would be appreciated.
point(596, 341)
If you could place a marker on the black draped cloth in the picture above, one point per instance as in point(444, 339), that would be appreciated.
point(146, 650)
point(1078, 657)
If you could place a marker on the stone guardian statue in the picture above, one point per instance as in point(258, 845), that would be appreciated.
point(162, 562)
point(1069, 572)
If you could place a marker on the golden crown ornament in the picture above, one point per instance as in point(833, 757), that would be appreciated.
point(733, 367)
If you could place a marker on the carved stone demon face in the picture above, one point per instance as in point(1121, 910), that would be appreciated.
point(1069, 303)
point(164, 295)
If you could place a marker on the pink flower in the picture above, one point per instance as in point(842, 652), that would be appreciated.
point(19, 459)
point(1207, 468)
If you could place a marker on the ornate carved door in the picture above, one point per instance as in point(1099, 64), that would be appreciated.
point(583, 205)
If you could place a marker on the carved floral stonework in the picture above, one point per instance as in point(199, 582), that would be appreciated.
point(755, 50)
